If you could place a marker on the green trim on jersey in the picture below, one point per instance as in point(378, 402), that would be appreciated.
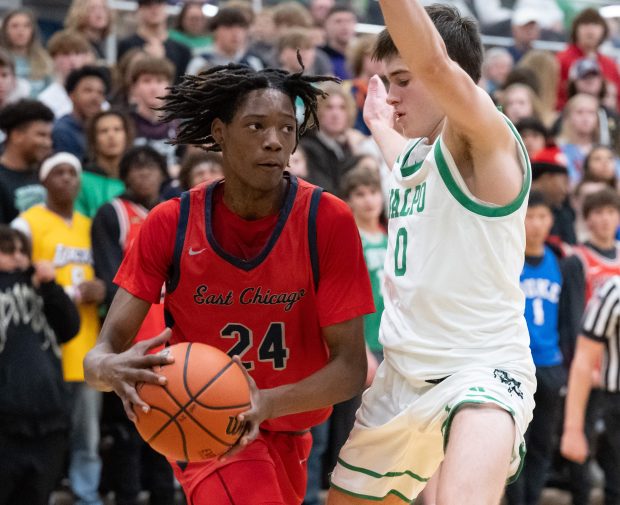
point(411, 169)
point(372, 498)
point(381, 475)
point(473, 206)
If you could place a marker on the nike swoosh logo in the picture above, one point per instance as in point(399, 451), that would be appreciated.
point(194, 253)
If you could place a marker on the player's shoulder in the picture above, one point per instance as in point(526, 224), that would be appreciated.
point(167, 211)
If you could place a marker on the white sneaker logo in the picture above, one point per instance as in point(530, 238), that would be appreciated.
point(194, 253)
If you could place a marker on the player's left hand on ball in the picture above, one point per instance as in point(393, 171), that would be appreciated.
point(253, 417)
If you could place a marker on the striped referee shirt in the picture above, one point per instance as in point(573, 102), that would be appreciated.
point(601, 323)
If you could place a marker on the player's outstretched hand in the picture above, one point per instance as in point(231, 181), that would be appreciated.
point(123, 371)
point(574, 446)
point(253, 417)
point(376, 109)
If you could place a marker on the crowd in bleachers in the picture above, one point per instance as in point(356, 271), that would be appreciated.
point(84, 157)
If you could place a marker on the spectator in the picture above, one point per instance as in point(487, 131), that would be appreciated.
point(298, 164)
point(289, 15)
point(19, 36)
point(582, 190)
point(230, 42)
point(108, 135)
point(263, 35)
point(198, 166)
point(525, 30)
point(519, 101)
point(319, 10)
point(11, 88)
point(550, 177)
point(27, 125)
point(547, 69)
point(33, 414)
point(114, 230)
point(93, 19)
point(87, 87)
point(600, 165)
point(69, 51)
point(150, 78)
point(579, 132)
point(363, 67)
point(339, 32)
point(589, 31)
point(534, 135)
point(541, 282)
point(61, 236)
point(496, 66)
point(330, 151)
point(190, 28)
point(585, 77)
point(289, 43)
point(152, 36)
point(122, 79)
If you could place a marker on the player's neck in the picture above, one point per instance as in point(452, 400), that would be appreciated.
point(253, 204)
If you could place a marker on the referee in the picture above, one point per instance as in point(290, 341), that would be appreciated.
point(599, 342)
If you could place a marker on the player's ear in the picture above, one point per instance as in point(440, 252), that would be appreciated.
point(217, 130)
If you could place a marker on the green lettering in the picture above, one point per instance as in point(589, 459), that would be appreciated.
point(395, 204)
point(403, 209)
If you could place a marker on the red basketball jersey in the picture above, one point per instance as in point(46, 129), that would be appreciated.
point(264, 309)
point(596, 268)
point(130, 217)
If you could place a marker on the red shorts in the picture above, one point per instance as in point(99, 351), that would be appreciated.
point(270, 471)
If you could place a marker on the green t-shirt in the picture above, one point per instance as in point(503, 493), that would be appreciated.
point(199, 44)
point(374, 246)
point(96, 190)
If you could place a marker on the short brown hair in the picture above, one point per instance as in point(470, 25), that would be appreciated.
point(460, 35)
point(67, 42)
point(358, 176)
point(606, 197)
point(360, 48)
point(585, 17)
point(191, 160)
point(150, 65)
point(295, 38)
point(291, 14)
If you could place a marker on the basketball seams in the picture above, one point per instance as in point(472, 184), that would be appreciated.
point(177, 410)
point(166, 425)
point(192, 399)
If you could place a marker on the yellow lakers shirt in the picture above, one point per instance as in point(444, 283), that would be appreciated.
point(68, 246)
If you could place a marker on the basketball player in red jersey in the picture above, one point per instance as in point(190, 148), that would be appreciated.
point(261, 265)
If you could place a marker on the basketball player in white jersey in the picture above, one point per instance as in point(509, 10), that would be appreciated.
point(456, 387)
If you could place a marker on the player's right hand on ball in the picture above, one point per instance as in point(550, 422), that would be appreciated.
point(124, 371)
point(574, 446)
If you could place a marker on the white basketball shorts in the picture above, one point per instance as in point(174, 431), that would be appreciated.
point(402, 428)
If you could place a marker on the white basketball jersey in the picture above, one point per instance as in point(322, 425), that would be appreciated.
point(452, 294)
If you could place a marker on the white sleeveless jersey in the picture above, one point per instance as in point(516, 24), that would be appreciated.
point(452, 295)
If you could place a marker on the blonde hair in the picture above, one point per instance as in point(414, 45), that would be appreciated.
point(40, 61)
point(566, 132)
point(77, 17)
point(546, 67)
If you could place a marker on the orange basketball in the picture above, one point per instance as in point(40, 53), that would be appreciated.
point(194, 416)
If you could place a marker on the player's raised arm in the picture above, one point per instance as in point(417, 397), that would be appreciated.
point(474, 132)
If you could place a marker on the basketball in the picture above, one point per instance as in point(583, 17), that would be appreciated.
point(194, 416)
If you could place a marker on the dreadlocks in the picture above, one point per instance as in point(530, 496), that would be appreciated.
point(217, 93)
